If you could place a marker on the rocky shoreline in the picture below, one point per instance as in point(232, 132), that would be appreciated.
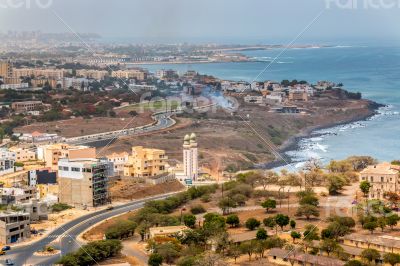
point(293, 142)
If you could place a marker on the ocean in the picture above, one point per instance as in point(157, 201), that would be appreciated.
point(373, 71)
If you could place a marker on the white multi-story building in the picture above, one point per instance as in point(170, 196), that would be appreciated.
point(7, 160)
point(190, 158)
point(119, 160)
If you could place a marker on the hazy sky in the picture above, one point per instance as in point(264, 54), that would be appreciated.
point(268, 21)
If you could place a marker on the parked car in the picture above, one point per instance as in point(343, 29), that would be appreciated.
point(9, 262)
point(2, 252)
point(5, 248)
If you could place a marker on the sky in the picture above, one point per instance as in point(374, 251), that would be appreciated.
point(224, 21)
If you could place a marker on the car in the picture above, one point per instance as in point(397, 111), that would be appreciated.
point(9, 262)
point(110, 208)
point(2, 252)
point(5, 248)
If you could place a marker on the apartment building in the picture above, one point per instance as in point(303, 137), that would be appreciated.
point(6, 69)
point(119, 160)
point(14, 227)
point(23, 154)
point(51, 154)
point(145, 162)
point(37, 137)
point(92, 74)
point(383, 177)
point(138, 74)
point(190, 157)
point(7, 160)
point(84, 182)
point(23, 107)
point(298, 96)
point(37, 72)
point(13, 195)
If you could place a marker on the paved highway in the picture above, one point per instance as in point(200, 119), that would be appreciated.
point(65, 237)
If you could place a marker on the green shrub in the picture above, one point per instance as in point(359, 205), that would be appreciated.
point(59, 207)
point(197, 209)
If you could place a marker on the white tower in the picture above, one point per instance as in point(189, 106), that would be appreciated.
point(190, 157)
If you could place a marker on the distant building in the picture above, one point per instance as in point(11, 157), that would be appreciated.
point(14, 227)
point(36, 177)
point(7, 160)
point(84, 182)
point(145, 162)
point(6, 69)
point(138, 74)
point(166, 74)
point(298, 96)
point(15, 195)
point(383, 177)
point(119, 160)
point(295, 258)
point(161, 178)
point(167, 231)
point(190, 157)
point(382, 243)
point(256, 99)
point(37, 137)
point(38, 210)
point(51, 154)
point(38, 72)
point(23, 154)
point(15, 86)
point(92, 74)
point(23, 107)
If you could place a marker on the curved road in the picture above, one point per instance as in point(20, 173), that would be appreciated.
point(65, 237)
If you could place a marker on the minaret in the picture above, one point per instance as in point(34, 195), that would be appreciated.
point(190, 157)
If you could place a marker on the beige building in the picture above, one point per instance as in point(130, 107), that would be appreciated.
point(6, 69)
point(166, 231)
point(23, 154)
point(119, 160)
point(283, 257)
point(47, 191)
point(49, 73)
point(298, 96)
point(83, 182)
point(14, 227)
point(146, 162)
point(383, 177)
point(51, 154)
point(138, 74)
point(92, 74)
point(22, 107)
point(382, 243)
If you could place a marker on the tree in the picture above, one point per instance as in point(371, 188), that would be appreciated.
point(234, 251)
point(392, 220)
point(262, 245)
point(329, 246)
point(252, 223)
point(365, 186)
point(271, 223)
point(121, 230)
point(261, 234)
point(155, 260)
point(269, 204)
point(248, 247)
point(308, 197)
point(391, 258)
point(240, 199)
point(353, 263)
point(370, 226)
point(233, 220)
point(295, 235)
point(381, 222)
point(292, 224)
point(189, 220)
point(282, 220)
point(370, 255)
point(168, 251)
point(310, 233)
point(225, 204)
point(270, 177)
point(335, 183)
point(307, 210)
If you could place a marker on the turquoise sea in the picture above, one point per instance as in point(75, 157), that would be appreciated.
point(374, 71)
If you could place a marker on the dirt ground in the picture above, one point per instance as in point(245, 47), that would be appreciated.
point(129, 189)
point(81, 126)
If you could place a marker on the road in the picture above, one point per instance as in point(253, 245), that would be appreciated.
point(65, 237)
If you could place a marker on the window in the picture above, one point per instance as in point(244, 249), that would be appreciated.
point(60, 168)
point(75, 169)
point(65, 168)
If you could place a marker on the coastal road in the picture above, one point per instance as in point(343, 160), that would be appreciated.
point(162, 120)
point(64, 237)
